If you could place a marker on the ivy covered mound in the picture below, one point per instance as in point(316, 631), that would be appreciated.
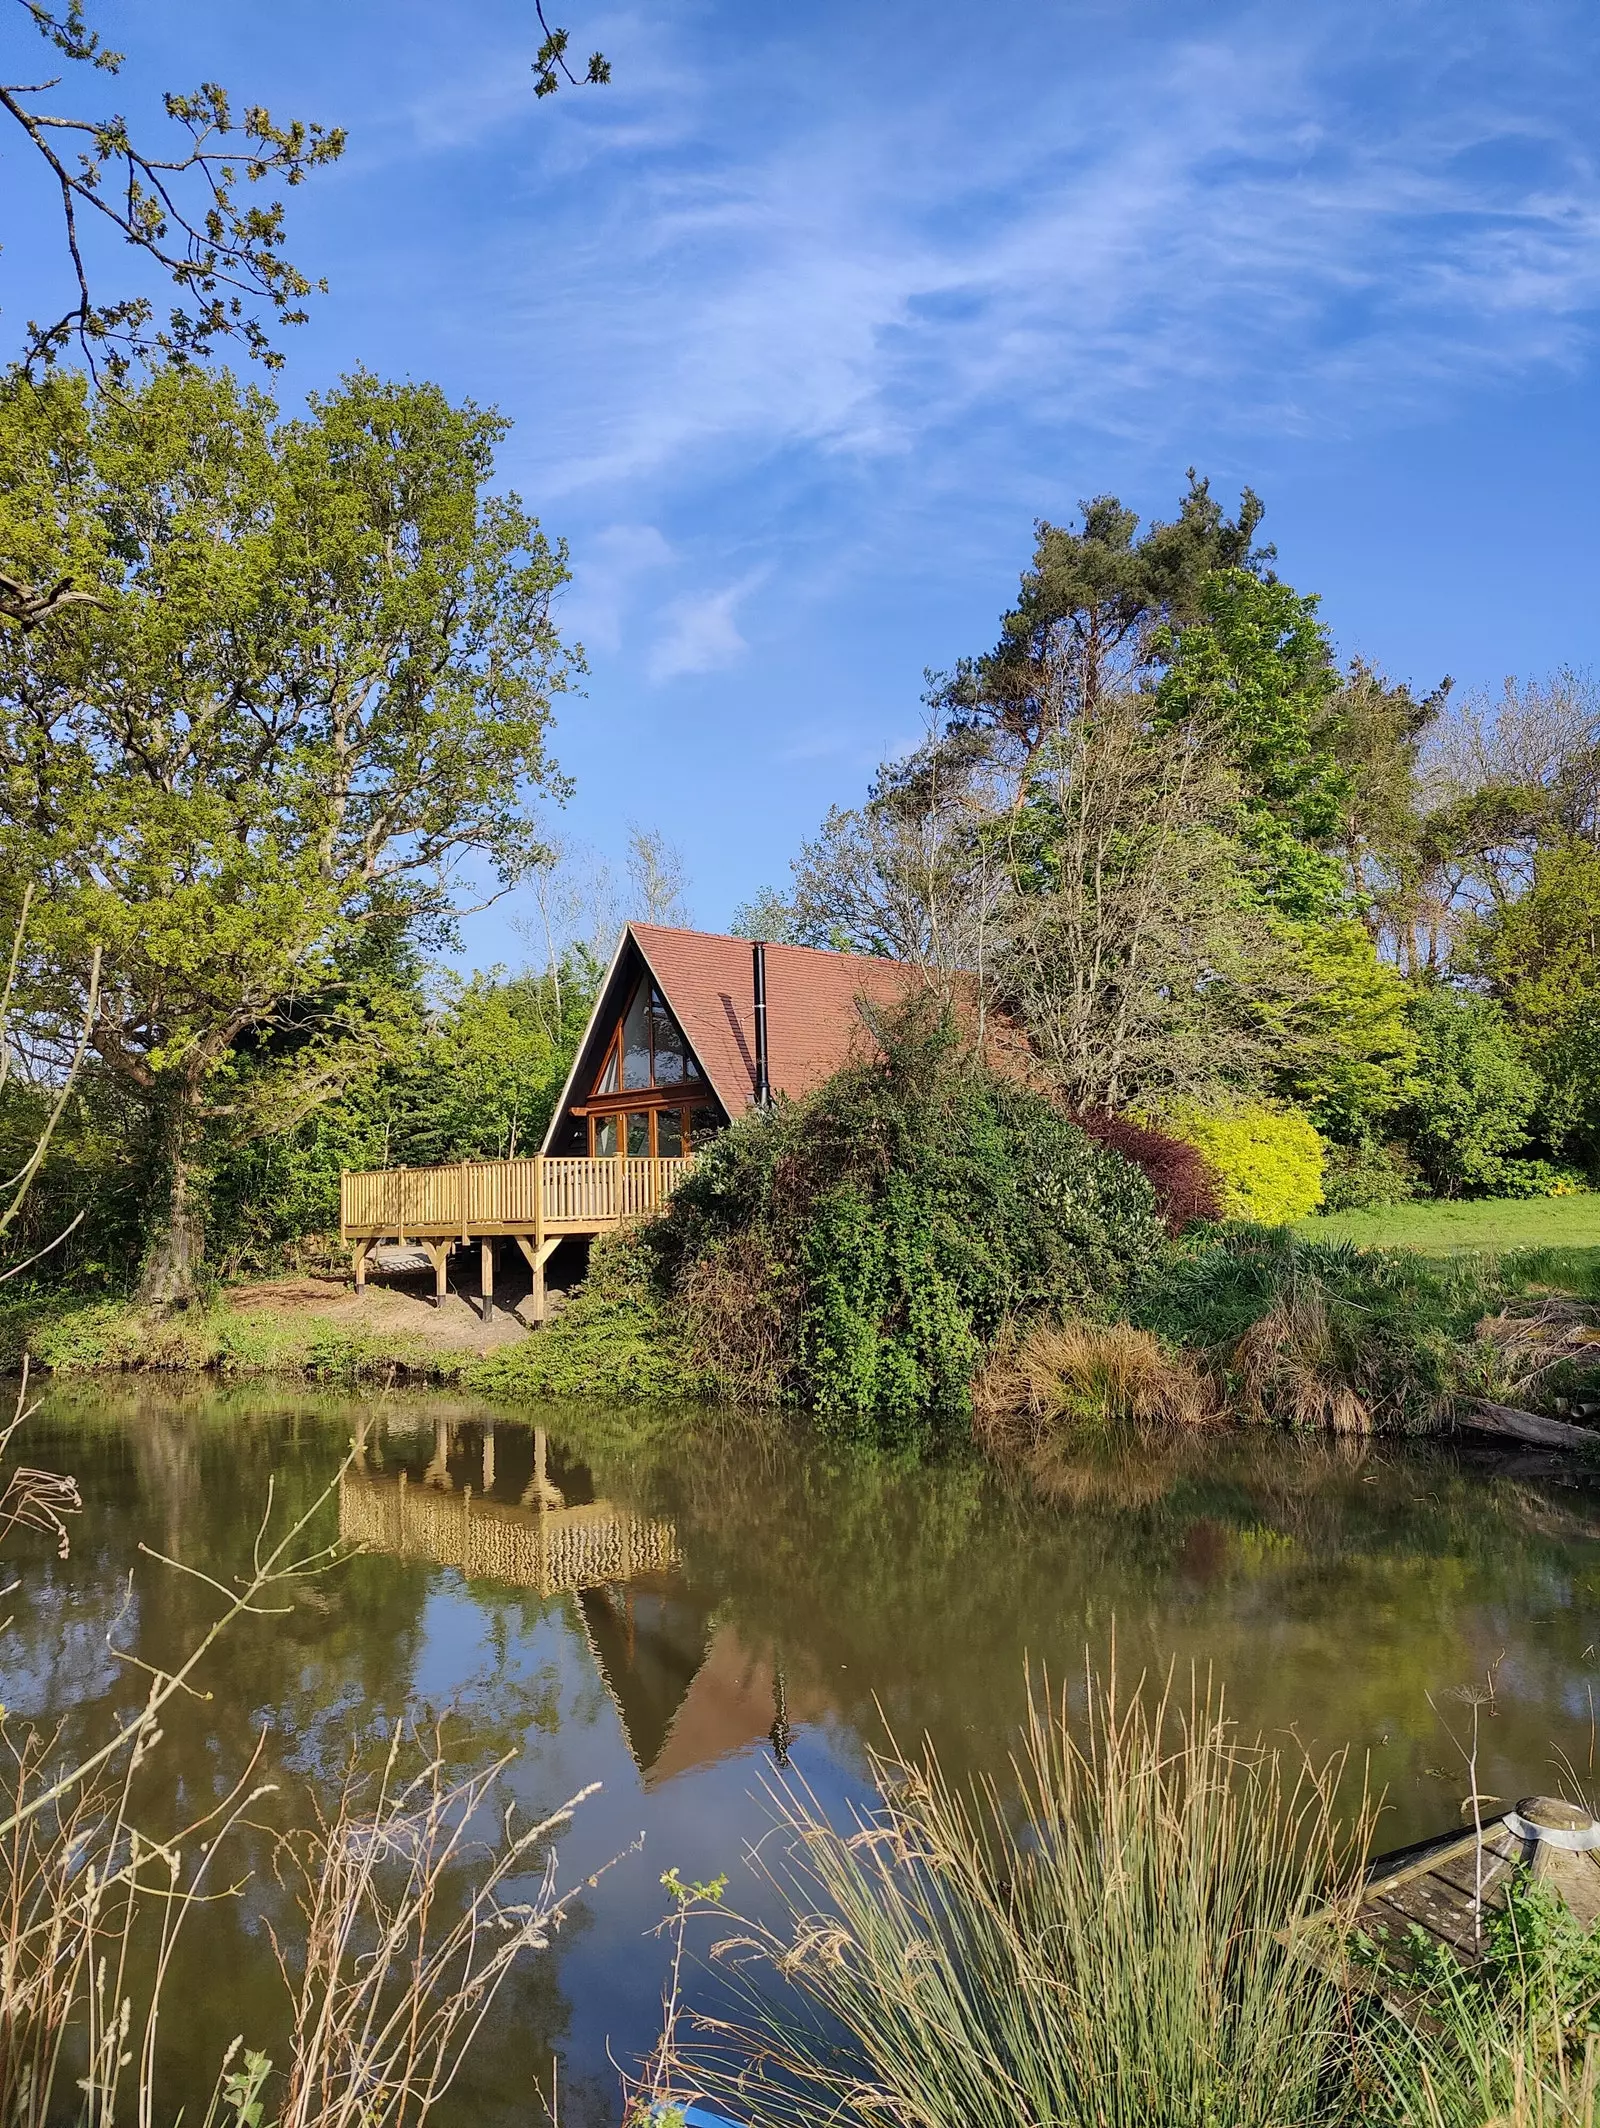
point(859, 1251)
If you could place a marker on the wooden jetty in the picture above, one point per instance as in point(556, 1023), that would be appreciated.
point(537, 1203)
point(1444, 1886)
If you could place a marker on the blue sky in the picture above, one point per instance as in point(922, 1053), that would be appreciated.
point(805, 319)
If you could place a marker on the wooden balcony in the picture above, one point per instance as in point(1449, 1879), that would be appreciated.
point(536, 1202)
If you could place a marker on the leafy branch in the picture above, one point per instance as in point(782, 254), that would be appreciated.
point(192, 211)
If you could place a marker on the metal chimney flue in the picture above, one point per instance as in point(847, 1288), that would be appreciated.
point(758, 960)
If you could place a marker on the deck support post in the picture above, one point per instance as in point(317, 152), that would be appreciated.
point(486, 1277)
point(438, 1255)
point(359, 1255)
point(538, 1254)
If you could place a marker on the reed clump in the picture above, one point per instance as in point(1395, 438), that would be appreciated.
point(1083, 1372)
point(1127, 1934)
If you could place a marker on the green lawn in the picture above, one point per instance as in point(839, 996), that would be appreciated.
point(1557, 1239)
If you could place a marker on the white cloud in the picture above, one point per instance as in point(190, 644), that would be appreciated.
point(605, 577)
point(1216, 220)
point(702, 634)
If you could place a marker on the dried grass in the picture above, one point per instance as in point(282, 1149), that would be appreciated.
point(1288, 1367)
point(1078, 1372)
point(1523, 1353)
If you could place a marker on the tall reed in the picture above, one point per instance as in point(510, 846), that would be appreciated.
point(1125, 1934)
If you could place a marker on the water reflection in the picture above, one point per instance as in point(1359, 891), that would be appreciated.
point(686, 1688)
point(674, 1607)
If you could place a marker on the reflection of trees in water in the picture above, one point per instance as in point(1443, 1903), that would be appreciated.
point(1332, 1584)
point(191, 1475)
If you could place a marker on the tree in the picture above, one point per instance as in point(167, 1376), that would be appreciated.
point(1336, 1028)
point(315, 688)
point(768, 914)
point(915, 873)
point(474, 1075)
point(185, 203)
point(1133, 938)
point(658, 878)
point(188, 207)
point(1473, 1091)
point(1255, 664)
point(1540, 954)
point(1387, 840)
point(1089, 615)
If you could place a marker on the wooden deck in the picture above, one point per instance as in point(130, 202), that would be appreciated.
point(537, 1203)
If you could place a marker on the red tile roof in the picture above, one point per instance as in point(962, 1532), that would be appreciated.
point(813, 1022)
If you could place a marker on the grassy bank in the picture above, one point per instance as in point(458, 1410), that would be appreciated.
point(1486, 1226)
point(105, 1337)
point(1294, 1327)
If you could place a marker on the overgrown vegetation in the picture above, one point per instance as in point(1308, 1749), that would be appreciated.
point(860, 1250)
point(1157, 1920)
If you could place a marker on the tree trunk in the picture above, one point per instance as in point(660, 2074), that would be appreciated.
point(176, 1245)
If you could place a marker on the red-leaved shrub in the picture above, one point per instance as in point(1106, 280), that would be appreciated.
point(1185, 1187)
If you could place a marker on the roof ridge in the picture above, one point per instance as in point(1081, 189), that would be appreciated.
point(784, 945)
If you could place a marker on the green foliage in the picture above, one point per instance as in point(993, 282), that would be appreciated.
point(1256, 665)
point(1541, 954)
point(618, 1336)
point(1268, 1162)
point(1341, 1045)
point(318, 677)
point(1479, 2037)
point(1295, 1326)
point(1365, 1175)
point(1472, 1095)
point(103, 1337)
point(920, 1204)
point(1092, 609)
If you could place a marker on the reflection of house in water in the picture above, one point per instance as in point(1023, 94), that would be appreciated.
point(495, 1503)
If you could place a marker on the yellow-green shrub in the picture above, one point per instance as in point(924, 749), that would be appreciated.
point(1268, 1160)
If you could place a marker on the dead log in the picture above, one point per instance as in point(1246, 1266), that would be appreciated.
point(1528, 1426)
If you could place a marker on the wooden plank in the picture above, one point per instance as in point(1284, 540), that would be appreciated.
point(468, 1199)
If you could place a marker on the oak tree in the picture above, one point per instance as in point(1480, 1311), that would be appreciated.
point(310, 702)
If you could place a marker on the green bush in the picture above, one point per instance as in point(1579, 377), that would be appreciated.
point(619, 1335)
point(875, 1237)
point(1268, 1161)
point(1472, 1096)
point(1538, 1178)
point(1366, 1176)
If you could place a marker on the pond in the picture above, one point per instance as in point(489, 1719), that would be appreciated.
point(676, 1606)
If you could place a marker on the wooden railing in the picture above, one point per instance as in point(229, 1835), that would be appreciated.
point(539, 1196)
point(564, 1548)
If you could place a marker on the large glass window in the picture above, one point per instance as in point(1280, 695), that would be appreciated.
point(669, 1133)
point(607, 1081)
point(605, 1136)
point(636, 1042)
point(669, 1045)
point(639, 1137)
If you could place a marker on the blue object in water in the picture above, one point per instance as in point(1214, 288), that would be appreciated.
point(696, 2114)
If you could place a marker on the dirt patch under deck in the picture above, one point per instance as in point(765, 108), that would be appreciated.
point(401, 1308)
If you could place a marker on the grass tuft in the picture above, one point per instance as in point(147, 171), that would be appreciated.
point(1081, 1372)
point(1120, 1944)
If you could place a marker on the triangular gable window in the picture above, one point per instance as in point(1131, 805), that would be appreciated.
point(648, 1049)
